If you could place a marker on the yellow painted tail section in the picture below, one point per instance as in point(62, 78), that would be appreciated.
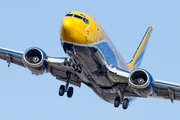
point(138, 56)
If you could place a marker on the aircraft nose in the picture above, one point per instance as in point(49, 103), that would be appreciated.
point(74, 30)
point(68, 30)
point(67, 23)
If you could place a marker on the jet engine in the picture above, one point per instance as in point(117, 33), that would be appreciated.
point(141, 82)
point(34, 60)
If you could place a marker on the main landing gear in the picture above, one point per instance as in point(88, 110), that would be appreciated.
point(125, 102)
point(66, 88)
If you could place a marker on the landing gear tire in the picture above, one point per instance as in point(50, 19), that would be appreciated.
point(125, 103)
point(61, 90)
point(70, 92)
point(66, 88)
point(117, 102)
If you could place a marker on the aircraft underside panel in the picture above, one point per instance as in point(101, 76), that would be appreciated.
point(95, 64)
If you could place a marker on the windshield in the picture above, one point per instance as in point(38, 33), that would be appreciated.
point(79, 17)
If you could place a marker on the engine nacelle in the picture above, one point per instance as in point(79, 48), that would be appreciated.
point(33, 59)
point(141, 82)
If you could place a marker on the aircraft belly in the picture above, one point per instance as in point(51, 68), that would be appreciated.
point(95, 67)
point(91, 61)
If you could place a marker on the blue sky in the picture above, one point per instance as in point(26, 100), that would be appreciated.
point(27, 23)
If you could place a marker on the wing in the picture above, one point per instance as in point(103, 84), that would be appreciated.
point(55, 66)
point(11, 56)
point(161, 89)
point(166, 90)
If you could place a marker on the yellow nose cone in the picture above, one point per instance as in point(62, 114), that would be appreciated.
point(69, 30)
point(66, 23)
point(74, 30)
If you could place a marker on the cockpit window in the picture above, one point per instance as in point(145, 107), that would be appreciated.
point(86, 20)
point(79, 17)
point(69, 14)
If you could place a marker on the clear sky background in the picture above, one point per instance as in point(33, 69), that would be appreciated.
point(27, 23)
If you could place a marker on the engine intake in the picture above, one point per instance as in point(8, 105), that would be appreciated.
point(139, 79)
point(141, 82)
point(33, 59)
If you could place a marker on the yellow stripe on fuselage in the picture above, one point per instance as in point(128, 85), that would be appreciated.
point(75, 30)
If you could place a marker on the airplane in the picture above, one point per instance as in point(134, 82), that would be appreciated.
point(93, 60)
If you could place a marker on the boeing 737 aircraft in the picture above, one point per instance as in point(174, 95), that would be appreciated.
point(94, 60)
